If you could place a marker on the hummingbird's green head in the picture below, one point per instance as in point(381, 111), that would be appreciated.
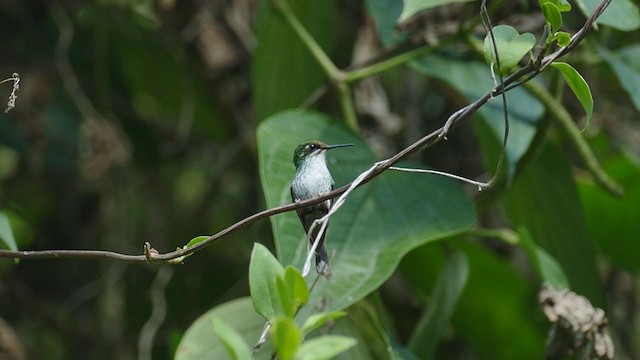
point(308, 149)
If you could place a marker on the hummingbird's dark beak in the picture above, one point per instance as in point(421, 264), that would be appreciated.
point(329, 147)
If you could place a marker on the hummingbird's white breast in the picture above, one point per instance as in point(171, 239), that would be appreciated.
point(312, 178)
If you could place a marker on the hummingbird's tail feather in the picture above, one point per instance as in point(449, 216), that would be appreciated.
point(322, 260)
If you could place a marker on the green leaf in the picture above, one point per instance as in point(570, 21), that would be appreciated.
point(444, 298)
point(232, 341)
point(620, 14)
point(297, 286)
point(563, 38)
point(315, 321)
point(411, 7)
point(544, 200)
point(286, 338)
point(552, 15)
point(6, 234)
point(196, 240)
point(579, 87)
point(264, 273)
point(547, 267)
point(285, 297)
point(512, 47)
point(615, 229)
point(324, 347)
point(378, 224)
point(624, 63)
point(285, 73)
point(201, 341)
point(496, 300)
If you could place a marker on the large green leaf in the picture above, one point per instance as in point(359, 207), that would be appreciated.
point(613, 222)
point(472, 79)
point(544, 200)
point(232, 341)
point(620, 14)
point(625, 65)
point(284, 72)
point(495, 301)
point(378, 224)
point(200, 341)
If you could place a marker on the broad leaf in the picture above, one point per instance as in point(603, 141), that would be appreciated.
point(625, 65)
point(511, 45)
point(201, 341)
point(444, 297)
point(613, 222)
point(411, 7)
point(284, 72)
point(264, 273)
point(579, 87)
point(496, 300)
point(544, 200)
point(620, 14)
point(379, 223)
point(232, 341)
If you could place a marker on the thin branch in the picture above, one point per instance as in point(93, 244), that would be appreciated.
point(426, 141)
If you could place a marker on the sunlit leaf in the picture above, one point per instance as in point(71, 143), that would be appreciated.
point(579, 87)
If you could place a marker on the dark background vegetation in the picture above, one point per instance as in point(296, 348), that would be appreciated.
point(136, 122)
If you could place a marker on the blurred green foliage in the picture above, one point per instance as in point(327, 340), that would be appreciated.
point(164, 121)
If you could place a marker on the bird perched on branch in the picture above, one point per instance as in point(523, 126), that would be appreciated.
point(313, 179)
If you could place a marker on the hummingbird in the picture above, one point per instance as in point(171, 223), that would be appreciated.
point(313, 179)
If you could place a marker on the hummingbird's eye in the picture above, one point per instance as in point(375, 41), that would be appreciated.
point(312, 146)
